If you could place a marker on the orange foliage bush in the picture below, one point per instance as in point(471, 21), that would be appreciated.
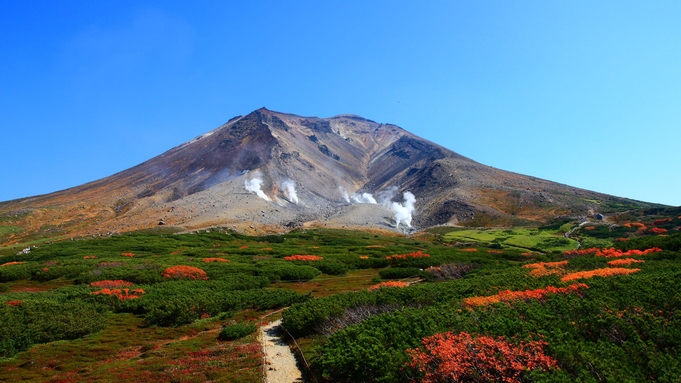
point(598, 273)
point(624, 262)
point(12, 263)
point(299, 257)
point(589, 228)
point(416, 254)
point(128, 254)
point(635, 224)
point(182, 272)
point(657, 230)
point(495, 251)
point(470, 250)
point(121, 294)
point(541, 269)
point(243, 247)
point(208, 260)
point(15, 303)
point(461, 357)
point(612, 252)
point(89, 257)
point(508, 295)
point(363, 257)
point(111, 283)
point(389, 284)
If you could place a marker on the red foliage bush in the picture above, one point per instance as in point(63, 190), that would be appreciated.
point(185, 272)
point(657, 230)
point(611, 252)
point(128, 254)
point(299, 257)
point(470, 250)
point(463, 358)
point(624, 262)
point(121, 294)
point(508, 295)
point(15, 303)
point(89, 257)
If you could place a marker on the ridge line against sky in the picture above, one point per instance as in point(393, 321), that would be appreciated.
point(582, 93)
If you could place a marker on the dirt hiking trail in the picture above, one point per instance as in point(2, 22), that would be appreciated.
point(280, 363)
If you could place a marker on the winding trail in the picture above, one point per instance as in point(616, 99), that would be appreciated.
point(280, 363)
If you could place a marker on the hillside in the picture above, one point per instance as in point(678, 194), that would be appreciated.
point(310, 171)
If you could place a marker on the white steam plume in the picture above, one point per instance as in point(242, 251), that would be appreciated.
point(346, 197)
point(254, 185)
point(386, 196)
point(404, 211)
point(363, 198)
point(290, 190)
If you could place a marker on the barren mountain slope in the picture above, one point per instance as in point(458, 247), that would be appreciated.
point(202, 183)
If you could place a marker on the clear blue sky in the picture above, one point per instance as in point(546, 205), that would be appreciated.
point(586, 93)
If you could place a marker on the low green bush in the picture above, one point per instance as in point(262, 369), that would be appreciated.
point(237, 331)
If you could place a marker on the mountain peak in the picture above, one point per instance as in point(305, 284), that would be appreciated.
point(273, 171)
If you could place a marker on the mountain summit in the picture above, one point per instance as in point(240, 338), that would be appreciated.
point(270, 171)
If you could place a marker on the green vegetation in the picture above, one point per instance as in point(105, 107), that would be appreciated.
point(237, 331)
point(148, 306)
point(523, 238)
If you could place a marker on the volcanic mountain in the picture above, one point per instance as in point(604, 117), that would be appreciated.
point(270, 171)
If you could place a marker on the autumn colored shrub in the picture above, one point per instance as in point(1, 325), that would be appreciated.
point(185, 272)
point(508, 295)
point(243, 247)
point(416, 254)
point(12, 263)
point(611, 252)
point(15, 303)
point(622, 239)
point(363, 257)
point(127, 254)
point(598, 273)
point(495, 251)
point(121, 294)
point(208, 260)
point(299, 257)
point(470, 250)
point(388, 284)
point(111, 284)
point(461, 357)
point(541, 269)
point(89, 257)
point(657, 230)
point(589, 228)
point(624, 262)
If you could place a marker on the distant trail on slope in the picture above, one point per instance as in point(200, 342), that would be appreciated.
point(280, 363)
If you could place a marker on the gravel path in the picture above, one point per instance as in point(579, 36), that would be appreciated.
point(280, 364)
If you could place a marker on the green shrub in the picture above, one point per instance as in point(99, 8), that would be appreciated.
point(331, 267)
point(237, 331)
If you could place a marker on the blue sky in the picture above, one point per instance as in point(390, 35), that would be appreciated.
point(586, 93)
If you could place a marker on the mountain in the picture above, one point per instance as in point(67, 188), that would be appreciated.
point(313, 171)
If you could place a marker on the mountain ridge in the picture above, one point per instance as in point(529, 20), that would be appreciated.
point(323, 161)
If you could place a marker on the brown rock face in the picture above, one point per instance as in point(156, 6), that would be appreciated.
point(202, 183)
